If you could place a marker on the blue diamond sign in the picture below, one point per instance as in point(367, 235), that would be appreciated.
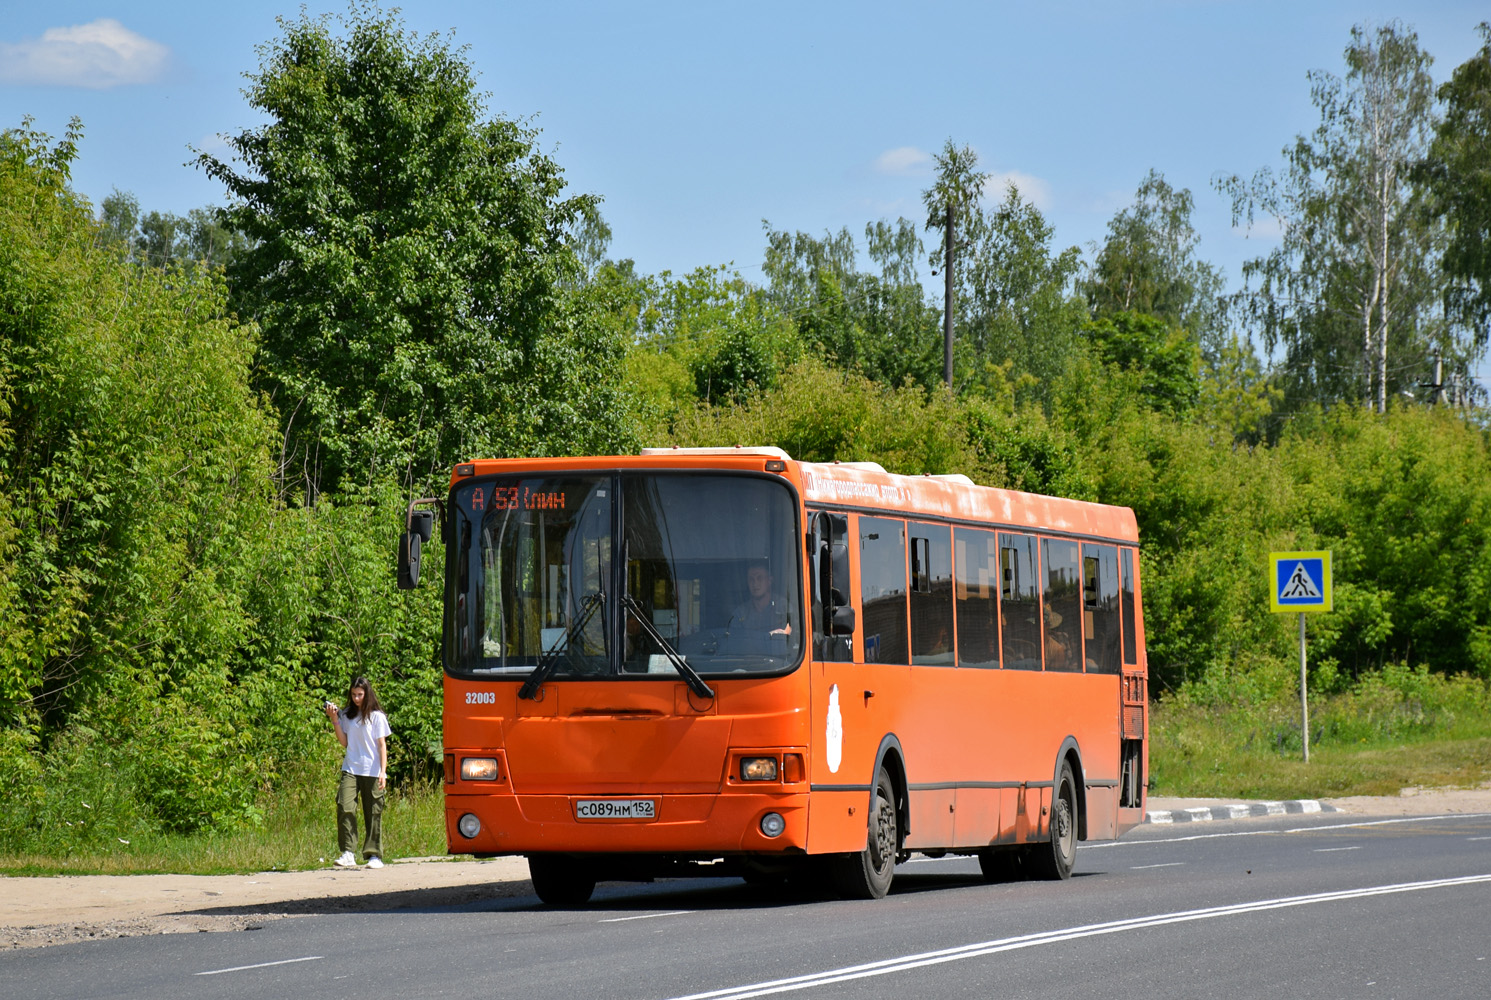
point(1299, 581)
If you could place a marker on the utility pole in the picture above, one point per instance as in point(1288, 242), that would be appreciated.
point(1438, 377)
point(959, 183)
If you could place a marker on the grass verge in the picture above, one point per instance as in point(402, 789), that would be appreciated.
point(297, 832)
point(1395, 729)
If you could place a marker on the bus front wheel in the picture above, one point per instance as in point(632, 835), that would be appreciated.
point(867, 875)
point(560, 880)
point(1055, 860)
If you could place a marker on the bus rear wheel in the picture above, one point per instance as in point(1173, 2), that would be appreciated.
point(559, 880)
point(1056, 859)
point(868, 874)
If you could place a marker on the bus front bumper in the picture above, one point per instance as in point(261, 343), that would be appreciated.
point(681, 824)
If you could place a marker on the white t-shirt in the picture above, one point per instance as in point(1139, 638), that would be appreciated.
point(363, 735)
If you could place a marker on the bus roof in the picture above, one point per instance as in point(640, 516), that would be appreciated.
point(957, 497)
point(862, 486)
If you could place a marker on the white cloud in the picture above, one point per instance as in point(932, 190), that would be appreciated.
point(97, 55)
point(215, 144)
point(1265, 227)
point(1032, 189)
point(904, 161)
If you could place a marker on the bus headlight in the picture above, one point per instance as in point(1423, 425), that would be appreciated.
point(758, 769)
point(469, 826)
point(772, 824)
point(478, 769)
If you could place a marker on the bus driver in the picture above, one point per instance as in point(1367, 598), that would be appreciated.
point(762, 611)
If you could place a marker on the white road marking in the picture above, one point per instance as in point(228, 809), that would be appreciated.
point(645, 916)
point(1332, 850)
point(1264, 833)
point(1167, 864)
point(261, 965)
point(981, 948)
point(1478, 838)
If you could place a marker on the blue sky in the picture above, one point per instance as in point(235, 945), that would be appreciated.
point(696, 121)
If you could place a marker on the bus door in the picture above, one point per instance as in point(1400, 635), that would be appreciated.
point(844, 738)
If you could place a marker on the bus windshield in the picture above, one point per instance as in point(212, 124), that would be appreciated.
point(604, 575)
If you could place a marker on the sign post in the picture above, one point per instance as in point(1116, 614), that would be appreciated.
point(1300, 582)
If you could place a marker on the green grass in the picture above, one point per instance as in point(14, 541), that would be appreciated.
point(298, 832)
point(1392, 731)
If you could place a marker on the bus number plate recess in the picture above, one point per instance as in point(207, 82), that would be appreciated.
point(615, 809)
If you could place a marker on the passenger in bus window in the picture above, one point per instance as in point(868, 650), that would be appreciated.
point(1059, 643)
point(762, 610)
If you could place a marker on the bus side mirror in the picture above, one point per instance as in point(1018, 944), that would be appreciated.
point(843, 621)
point(409, 548)
point(419, 528)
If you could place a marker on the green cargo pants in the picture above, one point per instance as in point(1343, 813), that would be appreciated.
point(348, 790)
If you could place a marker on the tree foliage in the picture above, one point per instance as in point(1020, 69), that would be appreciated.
point(1351, 292)
point(1458, 175)
point(161, 238)
point(1022, 316)
point(881, 325)
point(1164, 357)
point(409, 262)
point(1148, 264)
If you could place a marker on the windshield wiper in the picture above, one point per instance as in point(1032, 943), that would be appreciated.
point(689, 674)
point(550, 659)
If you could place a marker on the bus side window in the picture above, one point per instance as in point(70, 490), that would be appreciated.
point(1100, 608)
point(882, 579)
point(1019, 603)
point(976, 588)
point(1126, 604)
point(1063, 605)
point(833, 616)
point(931, 595)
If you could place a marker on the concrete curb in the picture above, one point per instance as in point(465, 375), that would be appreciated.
point(1203, 814)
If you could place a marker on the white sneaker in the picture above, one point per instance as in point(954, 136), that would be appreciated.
point(345, 860)
point(375, 862)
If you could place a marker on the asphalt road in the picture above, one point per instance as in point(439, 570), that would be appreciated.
point(1309, 907)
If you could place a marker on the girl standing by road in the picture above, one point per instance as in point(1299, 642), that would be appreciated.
point(363, 729)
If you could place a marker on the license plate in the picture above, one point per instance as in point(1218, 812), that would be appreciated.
point(615, 809)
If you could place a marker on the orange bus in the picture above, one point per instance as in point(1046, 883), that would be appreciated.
point(699, 661)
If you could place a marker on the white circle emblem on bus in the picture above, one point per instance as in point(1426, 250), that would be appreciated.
point(835, 733)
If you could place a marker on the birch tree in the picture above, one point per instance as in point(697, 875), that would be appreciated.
point(1356, 252)
point(1458, 176)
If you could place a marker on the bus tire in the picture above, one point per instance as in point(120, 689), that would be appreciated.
point(1056, 858)
point(868, 874)
point(560, 880)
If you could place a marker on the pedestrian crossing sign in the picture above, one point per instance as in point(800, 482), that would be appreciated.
point(1299, 581)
